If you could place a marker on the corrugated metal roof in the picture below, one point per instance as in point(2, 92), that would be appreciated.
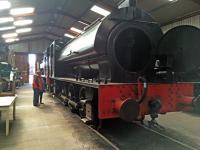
point(52, 18)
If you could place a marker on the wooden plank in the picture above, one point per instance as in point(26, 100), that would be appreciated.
point(6, 94)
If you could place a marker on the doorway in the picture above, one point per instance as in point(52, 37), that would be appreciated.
point(32, 62)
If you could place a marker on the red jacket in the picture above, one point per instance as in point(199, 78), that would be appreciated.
point(37, 82)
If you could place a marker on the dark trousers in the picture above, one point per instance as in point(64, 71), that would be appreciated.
point(40, 96)
point(35, 97)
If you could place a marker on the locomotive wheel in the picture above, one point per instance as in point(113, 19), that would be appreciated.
point(71, 96)
point(65, 94)
point(82, 96)
point(71, 92)
point(71, 108)
point(82, 93)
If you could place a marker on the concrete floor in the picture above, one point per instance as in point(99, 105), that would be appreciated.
point(175, 135)
point(48, 127)
point(52, 127)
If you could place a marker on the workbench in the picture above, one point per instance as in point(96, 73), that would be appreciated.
point(5, 103)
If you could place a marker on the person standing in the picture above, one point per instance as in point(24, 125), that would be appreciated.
point(42, 90)
point(37, 87)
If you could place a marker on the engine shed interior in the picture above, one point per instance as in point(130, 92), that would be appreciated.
point(99, 74)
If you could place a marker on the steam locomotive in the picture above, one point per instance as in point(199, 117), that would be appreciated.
point(124, 67)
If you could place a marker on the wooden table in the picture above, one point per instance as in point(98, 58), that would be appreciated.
point(5, 103)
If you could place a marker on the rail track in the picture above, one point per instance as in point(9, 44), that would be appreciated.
point(136, 136)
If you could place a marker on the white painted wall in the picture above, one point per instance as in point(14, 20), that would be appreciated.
point(195, 21)
point(31, 46)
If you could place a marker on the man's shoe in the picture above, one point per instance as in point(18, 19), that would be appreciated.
point(41, 103)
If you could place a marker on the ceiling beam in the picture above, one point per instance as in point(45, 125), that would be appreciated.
point(196, 1)
point(195, 13)
point(28, 40)
point(38, 26)
point(56, 35)
point(61, 12)
point(160, 7)
point(41, 33)
point(52, 11)
point(49, 25)
point(44, 34)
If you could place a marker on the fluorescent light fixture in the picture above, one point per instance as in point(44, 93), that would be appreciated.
point(69, 35)
point(6, 19)
point(76, 30)
point(23, 22)
point(23, 30)
point(11, 40)
point(22, 11)
point(7, 28)
point(100, 10)
point(5, 5)
point(9, 35)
